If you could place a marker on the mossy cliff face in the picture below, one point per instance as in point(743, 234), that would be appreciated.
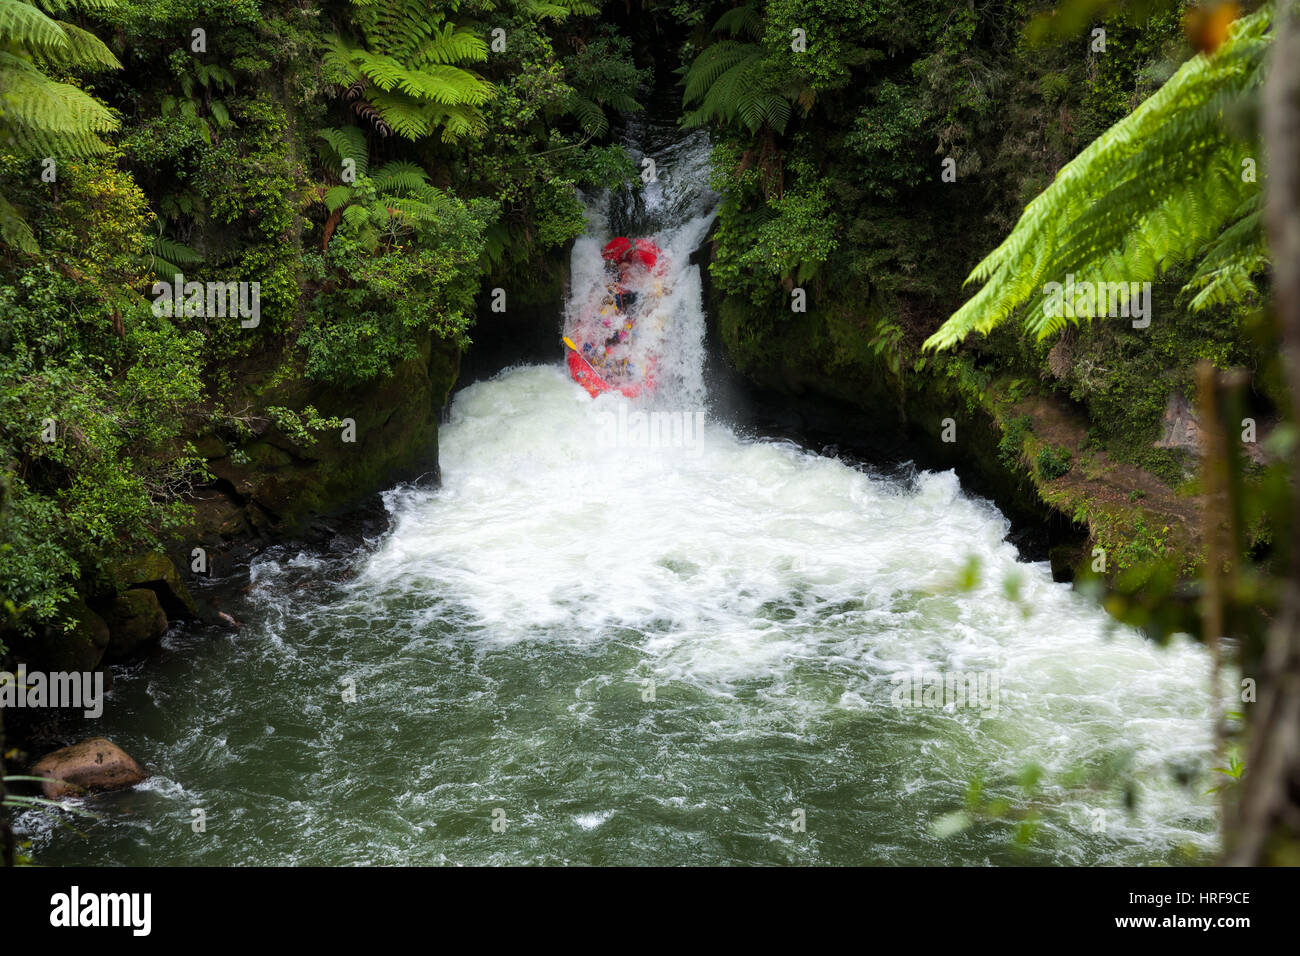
point(268, 483)
point(277, 470)
point(524, 324)
point(1077, 446)
point(823, 362)
point(275, 480)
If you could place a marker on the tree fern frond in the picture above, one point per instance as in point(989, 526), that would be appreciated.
point(452, 45)
point(339, 61)
point(407, 117)
point(589, 115)
point(400, 177)
point(14, 230)
point(460, 122)
point(623, 102)
point(1151, 192)
point(42, 117)
point(557, 10)
point(59, 6)
point(25, 26)
point(712, 63)
point(168, 257)
point(85, 50)
point(448, 85)
point(347, 143)
point(741, 21)
point(356, 215)
point(336, 197)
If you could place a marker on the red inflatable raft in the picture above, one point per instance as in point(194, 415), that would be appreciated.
point(642, 253)
point(586, 376)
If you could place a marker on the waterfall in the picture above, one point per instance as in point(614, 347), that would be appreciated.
point(637, 645)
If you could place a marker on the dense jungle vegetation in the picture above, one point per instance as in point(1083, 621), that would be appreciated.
point(379, 167)
point(364, 172)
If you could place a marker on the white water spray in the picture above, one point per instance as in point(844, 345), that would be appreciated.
point(659, 655)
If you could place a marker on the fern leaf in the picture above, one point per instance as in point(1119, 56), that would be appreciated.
point(1150, 193)
point(14, 230)
point(23, 25)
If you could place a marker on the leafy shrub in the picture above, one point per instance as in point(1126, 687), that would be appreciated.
point(1012, 442)
point(1052, 462)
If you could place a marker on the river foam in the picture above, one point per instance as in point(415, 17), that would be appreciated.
point(588, 648)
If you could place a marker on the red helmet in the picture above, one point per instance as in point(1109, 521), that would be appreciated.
point(646, 253)
point(617, 249)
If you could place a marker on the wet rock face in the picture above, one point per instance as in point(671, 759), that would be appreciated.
point(278, 483)
point(135, 620)
point(96, 764)
point(78, 647)
point(1180, 428)
point(157, 573)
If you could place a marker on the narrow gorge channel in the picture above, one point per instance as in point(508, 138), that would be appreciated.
point(583, 649)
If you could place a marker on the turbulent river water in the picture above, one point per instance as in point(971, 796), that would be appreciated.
point(584, 649)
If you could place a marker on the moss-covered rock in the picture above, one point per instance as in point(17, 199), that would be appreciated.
point(281, 477)
point(210, 446)
point(158, 573)
point(135, 620)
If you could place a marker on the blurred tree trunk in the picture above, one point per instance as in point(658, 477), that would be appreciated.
point(1267, 826)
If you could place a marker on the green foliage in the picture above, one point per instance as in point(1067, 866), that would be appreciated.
point(1156, 190)
point(1236, 767)
point(399, 242)
point(301, 426)
point(1052, 462)
point(1012, 443)
point(789, 239)
point(883, 135)
point(405, 76)
point(878, 91)
point(730, 80)
point(538, 156)
point(41, 116)
point(197, 103)
point(94, 392)
point(384, 208)
point(168, 257)
point(603, 76)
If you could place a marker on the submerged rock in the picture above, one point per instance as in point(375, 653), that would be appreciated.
point(93, 764)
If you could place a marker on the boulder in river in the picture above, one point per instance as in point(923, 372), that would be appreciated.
point(93, 764)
